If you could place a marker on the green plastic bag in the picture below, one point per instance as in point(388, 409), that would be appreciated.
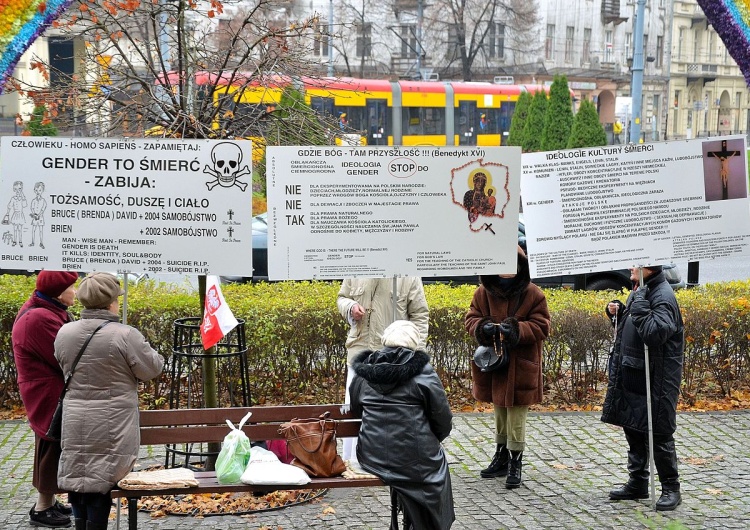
point(234, 454)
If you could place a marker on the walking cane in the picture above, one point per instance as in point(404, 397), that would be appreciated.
point(648, 410)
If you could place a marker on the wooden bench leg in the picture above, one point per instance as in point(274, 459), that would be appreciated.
point(133, 514)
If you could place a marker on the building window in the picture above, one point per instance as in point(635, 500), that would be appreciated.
point(586, 52)
point(680, 44)
point(497, 40)
point(454, 50)
point(645, 49)
point(676, 98)
point(696, 43)
point(320, 40)
point(408, 40)
point(738, 99)
point(608, 46)
point(364, 40)
point(659, 50)
point(629, 46)
point(711, 57)
point(569, 33)
point(549, 42)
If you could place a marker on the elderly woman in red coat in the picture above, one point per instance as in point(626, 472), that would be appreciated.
point(40, 381)
point(511, 308)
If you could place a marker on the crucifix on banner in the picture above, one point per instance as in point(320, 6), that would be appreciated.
point(724, 155)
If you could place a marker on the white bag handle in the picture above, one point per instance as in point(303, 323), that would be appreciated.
point(242, 422)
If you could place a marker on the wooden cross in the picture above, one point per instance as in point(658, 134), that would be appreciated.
point(724, 155)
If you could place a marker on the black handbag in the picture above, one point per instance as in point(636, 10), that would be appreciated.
point(54, 432)
point(492, 358)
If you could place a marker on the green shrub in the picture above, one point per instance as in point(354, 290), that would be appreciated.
point(295, 340)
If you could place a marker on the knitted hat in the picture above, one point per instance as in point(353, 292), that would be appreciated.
point(99, 289)
point(54, 283)
point(655, 269)
point(401, 333)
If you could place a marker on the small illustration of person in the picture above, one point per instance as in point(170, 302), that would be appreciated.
point(724, 156)
point(38, 206)
point(476, 200)
point(491, 201)
point(14, 214)
point(343, 122)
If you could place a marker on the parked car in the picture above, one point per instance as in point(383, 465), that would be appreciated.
point(594, 281)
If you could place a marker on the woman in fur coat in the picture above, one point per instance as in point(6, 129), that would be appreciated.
point(512, 309)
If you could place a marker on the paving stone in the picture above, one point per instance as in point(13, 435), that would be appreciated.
point(571, 462)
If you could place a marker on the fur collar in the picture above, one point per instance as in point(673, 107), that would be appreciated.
point(390, 366)
point(517, 285)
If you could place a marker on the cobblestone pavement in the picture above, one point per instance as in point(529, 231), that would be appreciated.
point(571, 461)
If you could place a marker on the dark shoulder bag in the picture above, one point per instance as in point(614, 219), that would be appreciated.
point(496, 357)
point(54, 432)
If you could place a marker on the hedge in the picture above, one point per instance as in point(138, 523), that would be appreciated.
point(295, 339)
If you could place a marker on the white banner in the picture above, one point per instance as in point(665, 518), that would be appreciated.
point(618, 206)
point(336, 212)
point(160, 206)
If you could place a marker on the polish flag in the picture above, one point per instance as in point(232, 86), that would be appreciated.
point(218, 319)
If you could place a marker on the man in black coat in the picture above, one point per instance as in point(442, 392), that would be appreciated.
point(651, 317)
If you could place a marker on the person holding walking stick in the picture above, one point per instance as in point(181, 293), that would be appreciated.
point(649, 329)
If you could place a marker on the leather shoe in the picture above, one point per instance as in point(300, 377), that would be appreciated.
point(668, 501)
point(629, 492)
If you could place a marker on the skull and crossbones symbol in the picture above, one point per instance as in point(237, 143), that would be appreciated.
point(226, 158)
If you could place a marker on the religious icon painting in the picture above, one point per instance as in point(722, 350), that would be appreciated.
point(481, 188)
point(725, 169)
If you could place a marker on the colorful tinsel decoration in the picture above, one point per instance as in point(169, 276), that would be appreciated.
point(21, 22)
point(731, 20)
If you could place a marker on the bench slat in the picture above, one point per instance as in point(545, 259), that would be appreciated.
point(208, 484)
point(235, 414)
point(201, 433)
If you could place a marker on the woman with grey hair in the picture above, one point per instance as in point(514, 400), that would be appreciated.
point(100, 437)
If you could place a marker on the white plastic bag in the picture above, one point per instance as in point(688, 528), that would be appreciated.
point(234, 454)
point(266, 468)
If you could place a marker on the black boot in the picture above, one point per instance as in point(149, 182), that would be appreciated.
point(514, 470)
point(80, 524)
point(637, 485)
point(670, 497)
point(633, 489)
point(90, 525)
point(665, 459)
point(499, 465)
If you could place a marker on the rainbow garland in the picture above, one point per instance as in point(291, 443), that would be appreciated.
point(731, 20)
point(21, 22)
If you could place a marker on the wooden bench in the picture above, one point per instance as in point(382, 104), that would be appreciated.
point(184, 426)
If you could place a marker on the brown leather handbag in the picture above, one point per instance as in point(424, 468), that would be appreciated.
point(312, 442)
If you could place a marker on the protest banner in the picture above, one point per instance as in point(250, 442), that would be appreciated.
point(131, 205)
point(336, 212)
point(617, 206)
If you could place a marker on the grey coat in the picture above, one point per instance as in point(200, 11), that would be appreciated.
point(405, 415)
point(100, 438)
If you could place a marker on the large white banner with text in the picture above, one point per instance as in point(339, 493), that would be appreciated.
point(336, 212)
point(161, 206)
point(618, 206)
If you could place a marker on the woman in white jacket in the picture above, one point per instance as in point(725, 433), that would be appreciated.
point(100, 437)
point(367, 305)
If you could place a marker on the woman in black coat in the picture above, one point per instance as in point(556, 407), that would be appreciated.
point(650, 317)
point(405, 415)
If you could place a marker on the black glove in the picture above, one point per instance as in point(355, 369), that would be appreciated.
point(488, 330)
point(640, 305)
point(506, 329)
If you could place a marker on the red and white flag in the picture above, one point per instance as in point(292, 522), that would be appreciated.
point(218, 319)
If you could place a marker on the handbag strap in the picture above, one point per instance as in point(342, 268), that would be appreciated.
point(78, 358)
point(322, 420)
